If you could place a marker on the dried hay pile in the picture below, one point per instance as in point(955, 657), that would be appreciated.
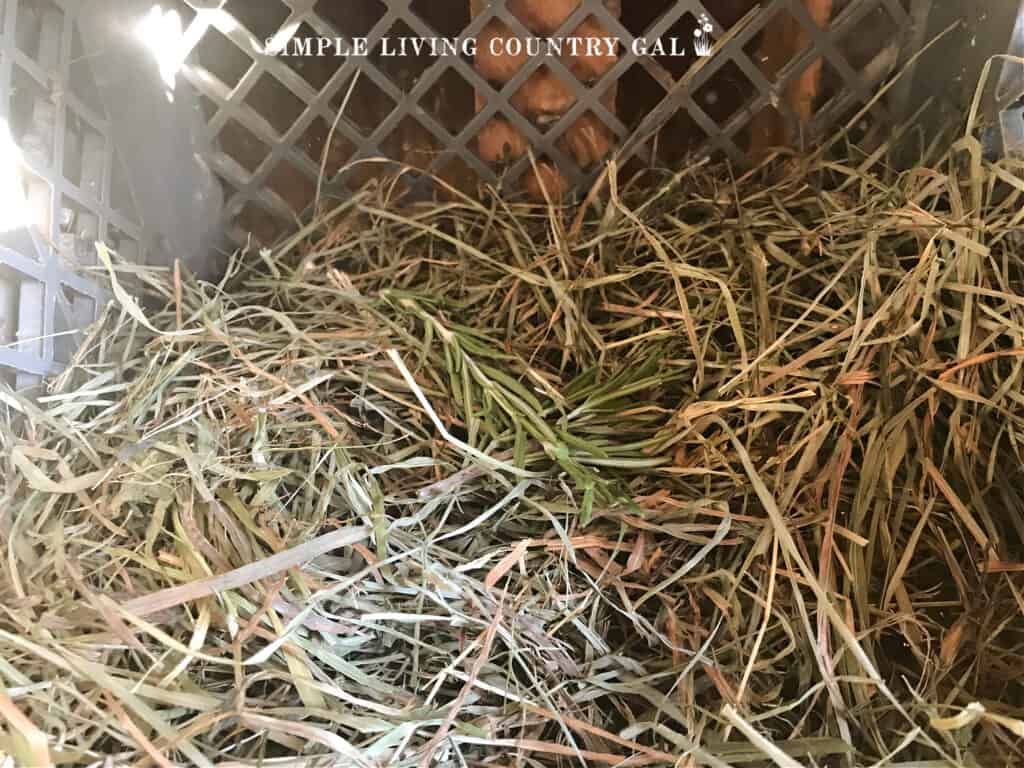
point(729, 475)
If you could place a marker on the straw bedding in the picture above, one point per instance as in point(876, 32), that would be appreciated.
point(728, 474)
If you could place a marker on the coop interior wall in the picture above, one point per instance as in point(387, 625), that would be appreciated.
point(271, 116)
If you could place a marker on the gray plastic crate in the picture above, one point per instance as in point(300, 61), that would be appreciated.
point(53, 125)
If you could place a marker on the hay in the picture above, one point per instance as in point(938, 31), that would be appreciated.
point(728, 475)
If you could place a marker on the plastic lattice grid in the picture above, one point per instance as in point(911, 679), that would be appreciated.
point(270, 115)
point(75, 192)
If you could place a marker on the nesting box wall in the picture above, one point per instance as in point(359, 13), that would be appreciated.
point(783, 72)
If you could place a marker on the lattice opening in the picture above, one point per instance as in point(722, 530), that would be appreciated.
point(398, 58)
point(640, 93)
point(499, 142)
point(10, 281)
point(445, 17)
point(450, 101)
point(126, 247)
point(28, 311)
point(74, 311)
point(725, 93)
point(314, 69)
point(677, 56)
point(545, 181)
point(353, 18)
point(292, 185)
point(368, 105)
point(261, 17)
point(229, 194)
point(412, 144)
point(264, 226)
point(84, 156)
point(770, 61)
point(81, 81)
point(596, 56)
point(638, 18)
point(832, 85)
point(727, 14)
point(218, 55)
point(456, 172)
point(766, 130)
point(242, 145)
point(185, 11)
point(587, 141)
point(865, 134)
point(33, 118)
point(542, 18)
point(678, 139)
point(544, 96)
point(312, 142)
point(877, 32)
point(272, 101)
point(121, 199)
point(637, 168)
point(39, 194)
point(208, 107)
point(496, 69)
point(79, 231)
point(39, 30)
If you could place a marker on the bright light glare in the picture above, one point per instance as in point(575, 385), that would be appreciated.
point(162, 33)
point(14, 208)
